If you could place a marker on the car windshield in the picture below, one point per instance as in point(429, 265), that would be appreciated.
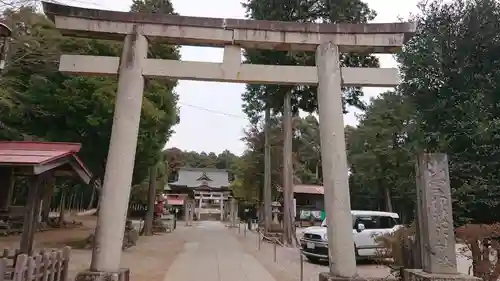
point(324, 223)
point(371, 221)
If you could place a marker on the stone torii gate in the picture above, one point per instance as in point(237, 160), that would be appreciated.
point(135, 29)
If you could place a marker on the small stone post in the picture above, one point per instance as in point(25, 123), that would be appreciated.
point(236, 216)
point(435, 222)
point(200, 203)
point(186, 211)
point(226, 210)
point(189, 208)
point(221, 207)
point(233, 210)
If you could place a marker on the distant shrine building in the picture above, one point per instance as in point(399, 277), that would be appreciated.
point(208, 187)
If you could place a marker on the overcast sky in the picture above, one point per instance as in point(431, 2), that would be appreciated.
point(211, 113)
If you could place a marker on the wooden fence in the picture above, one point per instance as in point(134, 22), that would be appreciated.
point(46, 265)
point(136, 210)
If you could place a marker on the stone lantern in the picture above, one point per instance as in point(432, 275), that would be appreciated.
point(5, 34)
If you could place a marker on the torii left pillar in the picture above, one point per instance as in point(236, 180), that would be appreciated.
point(115, 194)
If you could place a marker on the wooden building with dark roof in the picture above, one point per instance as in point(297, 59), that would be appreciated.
point(209, 188)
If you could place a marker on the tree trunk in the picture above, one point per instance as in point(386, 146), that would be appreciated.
point(80, 204)
point(288, 220)
point(98, 205)
point(6, 187)
point(385, 188)
point(62, 205)
point(267, 174)
point(388, 199)
point(94, 190)
point(317, 172)
point(47, 200)
point(72, 202)
point(148, 222)
point(30, 210)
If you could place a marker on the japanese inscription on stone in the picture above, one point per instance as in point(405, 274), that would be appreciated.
point(438, 235)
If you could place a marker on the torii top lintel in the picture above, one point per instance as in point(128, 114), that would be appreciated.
point(218, 32)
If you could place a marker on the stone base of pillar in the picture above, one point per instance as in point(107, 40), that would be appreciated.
point(420, 275)
point(327, 276)
point(122, 275)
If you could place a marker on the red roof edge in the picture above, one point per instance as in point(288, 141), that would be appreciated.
point(60, 156)
point(82, 165)
point(308, 189)
point(47, 146)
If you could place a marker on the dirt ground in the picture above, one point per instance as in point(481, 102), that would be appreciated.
point(148, 260)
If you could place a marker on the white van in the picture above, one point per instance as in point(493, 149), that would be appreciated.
point(366, 226)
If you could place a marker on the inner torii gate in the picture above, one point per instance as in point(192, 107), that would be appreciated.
point(135, 29)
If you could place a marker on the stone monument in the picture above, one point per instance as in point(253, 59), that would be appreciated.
point(435, 233)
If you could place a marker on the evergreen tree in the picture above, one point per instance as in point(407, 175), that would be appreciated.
point(450, 76)
point(41, 102)
point(303, 97)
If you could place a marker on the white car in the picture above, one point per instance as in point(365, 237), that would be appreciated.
point(366, 226)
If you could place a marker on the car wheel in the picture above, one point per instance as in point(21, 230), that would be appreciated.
point(313, 259)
